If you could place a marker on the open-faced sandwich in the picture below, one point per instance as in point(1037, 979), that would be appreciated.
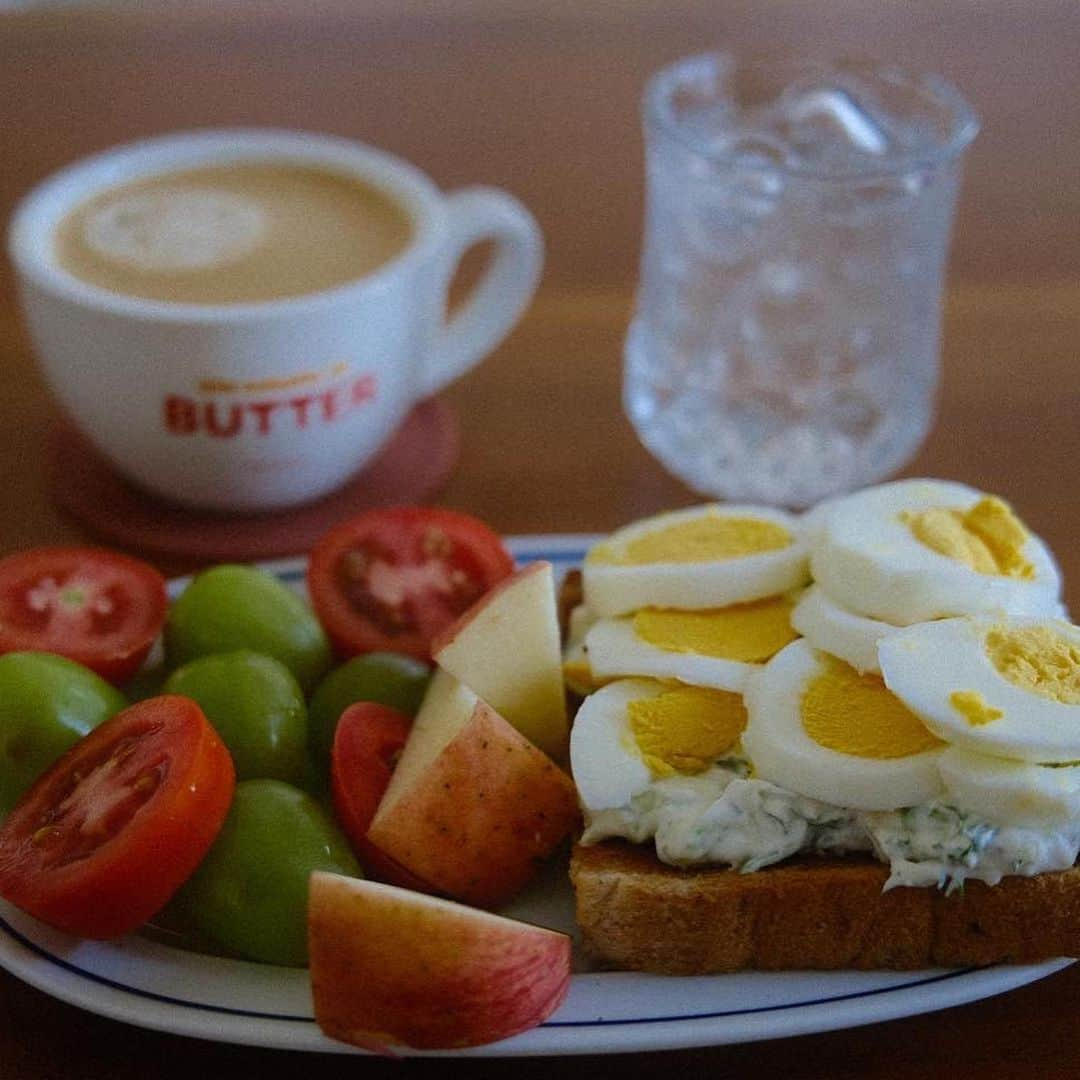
point(847, 740)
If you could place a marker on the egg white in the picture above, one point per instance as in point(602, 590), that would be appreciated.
point(578, 623)
point(781, 750)
point(925, 665)
point(614, 650)
point(833, 629)
point(607, 771)
point(577, 673)
point(1009, 792)
point(611, 589)
point(870, 562)
point(813, 521)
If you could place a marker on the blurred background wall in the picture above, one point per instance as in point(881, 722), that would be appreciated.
point(546, 103)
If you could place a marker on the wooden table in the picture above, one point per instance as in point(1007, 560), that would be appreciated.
point(542, 98)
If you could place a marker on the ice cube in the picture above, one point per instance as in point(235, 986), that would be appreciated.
point(835, 123)
point(837, 107)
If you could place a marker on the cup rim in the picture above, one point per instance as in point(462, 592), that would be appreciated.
point(40, 210)
point(964, 128)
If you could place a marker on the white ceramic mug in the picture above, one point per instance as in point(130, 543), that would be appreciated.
point(255, 406)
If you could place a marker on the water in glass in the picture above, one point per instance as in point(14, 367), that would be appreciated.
point(785, 342)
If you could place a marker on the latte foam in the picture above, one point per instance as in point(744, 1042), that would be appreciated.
point(175, 229)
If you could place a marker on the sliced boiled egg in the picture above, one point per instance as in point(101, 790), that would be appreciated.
point(916, 550)
point(818, 727)
point(634, 732)
point(577, 672)
point(1009, 792)
point(578, 623)
point(812, 522)
point(1009, 688)
point(714, 647)
point(833, 629)
point(704, 557)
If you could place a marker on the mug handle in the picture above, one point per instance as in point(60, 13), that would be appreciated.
point(500, 296)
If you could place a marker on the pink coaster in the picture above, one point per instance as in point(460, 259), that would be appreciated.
point(412, 466)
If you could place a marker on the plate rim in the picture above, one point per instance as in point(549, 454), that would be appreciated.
point(22, 955)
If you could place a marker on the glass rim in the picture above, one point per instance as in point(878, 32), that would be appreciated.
point(658, 113)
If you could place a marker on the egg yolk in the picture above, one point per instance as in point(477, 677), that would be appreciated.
point(685, 729)
point(974, 708)
point(712, 537)
point(1037, 659)
point(988, 537)
point(856, 714)
point(750, 633)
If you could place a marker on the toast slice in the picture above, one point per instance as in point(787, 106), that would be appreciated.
point(824, 913)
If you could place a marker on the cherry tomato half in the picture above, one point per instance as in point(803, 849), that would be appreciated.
point(390, 580)
point(106, 836)
point(367, 743)
point(99, 608)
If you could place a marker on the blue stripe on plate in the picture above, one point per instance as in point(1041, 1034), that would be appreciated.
point(225, 1010)
point(853, 995)
point(101, 980)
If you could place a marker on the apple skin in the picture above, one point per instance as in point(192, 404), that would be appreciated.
point(507, 649)
point(390, 966)
point(476, 823)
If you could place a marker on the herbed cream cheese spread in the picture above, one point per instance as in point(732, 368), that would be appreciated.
point(726, 817)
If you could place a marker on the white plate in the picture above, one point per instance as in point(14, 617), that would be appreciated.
point(154, 986)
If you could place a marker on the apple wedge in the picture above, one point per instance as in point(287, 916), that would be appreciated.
point(393, 966)
point(506, 648)
point(473, 806)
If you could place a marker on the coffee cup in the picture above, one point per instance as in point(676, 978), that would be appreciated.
point(239, 320)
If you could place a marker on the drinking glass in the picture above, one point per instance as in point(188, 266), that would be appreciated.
point(785, 341)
